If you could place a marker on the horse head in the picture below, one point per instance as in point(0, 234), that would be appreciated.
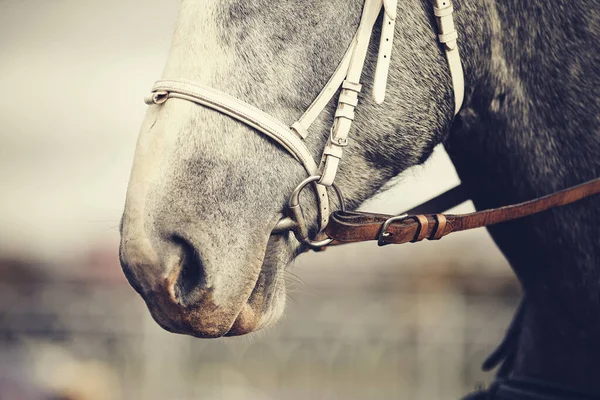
point(206, 191)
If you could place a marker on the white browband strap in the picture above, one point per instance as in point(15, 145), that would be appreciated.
point(347, 77)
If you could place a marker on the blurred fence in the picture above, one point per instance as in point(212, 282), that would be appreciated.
point(405, 340)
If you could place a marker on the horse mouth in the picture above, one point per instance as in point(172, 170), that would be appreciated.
point(226, 296)
point(205, 321)
point(247, 321)
point(242, 325)
point(206, 318)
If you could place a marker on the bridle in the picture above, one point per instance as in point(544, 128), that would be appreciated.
point(347, 76)
point(343, 227)
point(347, 227)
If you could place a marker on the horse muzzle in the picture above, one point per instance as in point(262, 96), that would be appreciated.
point(181, 295)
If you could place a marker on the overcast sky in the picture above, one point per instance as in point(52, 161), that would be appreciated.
point(73, 75)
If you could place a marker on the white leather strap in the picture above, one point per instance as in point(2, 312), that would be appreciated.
point(344, 98)
point(318, 105)
point(390, 7)
point(386, 45)
point(249, 115)
point(350, 89)
point(239, 110)
point(356, 87)
point(448, 36)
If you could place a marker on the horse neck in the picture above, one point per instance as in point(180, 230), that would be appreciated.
point(527, 129)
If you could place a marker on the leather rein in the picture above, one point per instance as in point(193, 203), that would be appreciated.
point(344, 226)
point(350, 227)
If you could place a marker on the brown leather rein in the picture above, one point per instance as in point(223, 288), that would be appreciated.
point(416, 225)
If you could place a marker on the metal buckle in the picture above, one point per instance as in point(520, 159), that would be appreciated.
point(299, 226)
point(384, 229)
point(337, 141)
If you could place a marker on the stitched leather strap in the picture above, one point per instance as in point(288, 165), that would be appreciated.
point(348, 227)
point(350, 89)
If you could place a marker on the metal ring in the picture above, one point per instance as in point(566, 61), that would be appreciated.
point(317, 244)
point(295, 196)
point(295, 209)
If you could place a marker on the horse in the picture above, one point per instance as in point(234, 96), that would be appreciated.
point(198, 235)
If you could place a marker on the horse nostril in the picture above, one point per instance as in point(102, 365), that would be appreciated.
point(192, 276)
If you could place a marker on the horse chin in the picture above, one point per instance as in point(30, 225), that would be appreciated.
point(263, 308)
point(249, 321)
point(265, 305)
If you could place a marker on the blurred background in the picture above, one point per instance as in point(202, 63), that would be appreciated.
point(361, 322)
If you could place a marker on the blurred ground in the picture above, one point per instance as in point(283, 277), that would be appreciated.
point(387, 323)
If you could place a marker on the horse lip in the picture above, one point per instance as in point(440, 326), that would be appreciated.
point(174, 318)
point(204, 320)
point(176, 326)
point(246, 322)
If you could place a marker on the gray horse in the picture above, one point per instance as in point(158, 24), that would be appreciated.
point(206, 191)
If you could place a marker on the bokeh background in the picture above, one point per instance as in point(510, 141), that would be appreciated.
point(408, 322)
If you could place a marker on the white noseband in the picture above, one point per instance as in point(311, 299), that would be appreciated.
point(347, 77)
